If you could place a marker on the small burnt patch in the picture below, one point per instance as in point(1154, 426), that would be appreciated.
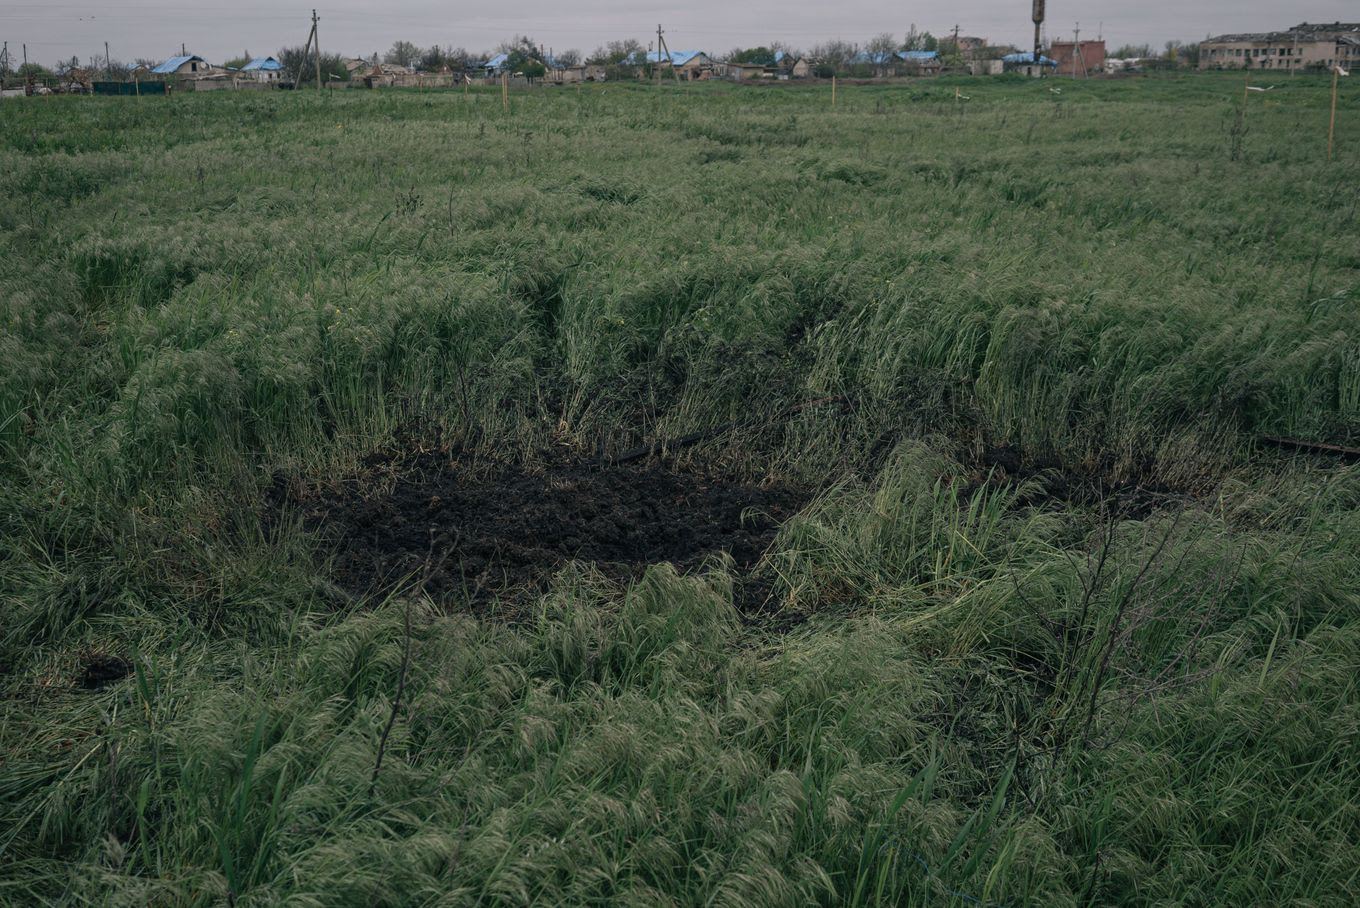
point(1052, 484)
point(471, 530)
point(97, 670)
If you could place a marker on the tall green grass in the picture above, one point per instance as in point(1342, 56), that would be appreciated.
point(973, 692)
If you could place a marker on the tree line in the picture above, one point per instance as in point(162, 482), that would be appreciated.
point(528, 56)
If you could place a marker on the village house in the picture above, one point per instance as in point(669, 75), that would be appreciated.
point(804, 68)
point(495, 66)
point(1075, 59)
point(739, 72)
point(388, 75)
point(185, 65)
point(263, 69)
point(1301, 47)
point(913, 62)
point(920, 62)
point(689, 65)
point(1024, 63)
point(970, 45)
point(560, 74)
point(881, 63)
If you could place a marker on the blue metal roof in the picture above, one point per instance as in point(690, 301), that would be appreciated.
point(496, 62)
point(263, 64)
point(907, 56)
point(1028, 58)
point(675, 58)
point(174, 63)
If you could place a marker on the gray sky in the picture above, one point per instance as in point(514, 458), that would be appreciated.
point(217, 29)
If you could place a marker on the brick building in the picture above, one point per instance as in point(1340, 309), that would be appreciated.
point(1075, 59)
point(1301, 47)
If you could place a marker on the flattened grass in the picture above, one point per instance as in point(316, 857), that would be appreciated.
point(975, 691)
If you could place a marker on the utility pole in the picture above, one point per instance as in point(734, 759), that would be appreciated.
point(956, 37)
point(182, 51)
point(316, 39)
point(662, 46)
point(302, 64)
point(659, 33)
point(1076, 48)
point(4, 61)
point(108, 62)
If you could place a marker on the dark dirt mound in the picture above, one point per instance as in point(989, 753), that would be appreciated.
point(470, 530)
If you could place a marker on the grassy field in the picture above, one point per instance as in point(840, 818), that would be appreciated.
point(1048, 624)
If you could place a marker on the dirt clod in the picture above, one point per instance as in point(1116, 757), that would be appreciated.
point(473, 530)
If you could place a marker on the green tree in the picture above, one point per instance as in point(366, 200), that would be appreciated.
point(761, 56)
point(300, 64)
point(616, 53)
point(920, 40)
point(881, 49)
point(433, 59)
point(836, 54)
point(238, 62)
point(402, 53)
point(34, 71)
point(1132, 52)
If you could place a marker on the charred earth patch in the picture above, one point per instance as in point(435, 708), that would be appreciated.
point(470, 529)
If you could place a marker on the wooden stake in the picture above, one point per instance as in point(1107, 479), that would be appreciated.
point(833, 92)
point(1331, 130)
point(505, 92)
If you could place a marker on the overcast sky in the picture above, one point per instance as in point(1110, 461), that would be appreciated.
point(217, 29)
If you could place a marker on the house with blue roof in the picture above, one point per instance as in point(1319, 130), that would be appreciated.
point(495, 66)
point(185, 65)
point(920, 61)
point(690, 65)
point(263, 69)
point(1024, 63)
point(887, 63)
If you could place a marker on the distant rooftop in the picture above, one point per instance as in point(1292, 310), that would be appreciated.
point(174, 63)
point(1306, 31)
point(675, 58)
point(1028, 58)
point(263, 64)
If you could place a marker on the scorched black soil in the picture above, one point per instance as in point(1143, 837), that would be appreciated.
point(470, 530)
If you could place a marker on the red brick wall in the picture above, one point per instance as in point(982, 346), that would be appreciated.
point(1069, 62)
